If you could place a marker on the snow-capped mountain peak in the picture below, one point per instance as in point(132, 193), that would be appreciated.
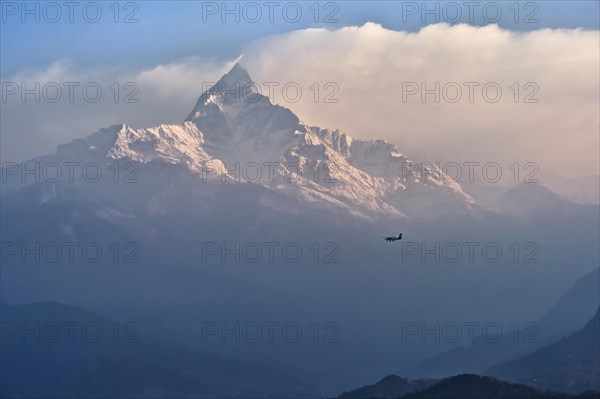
point(322, 166)
point(237, 74)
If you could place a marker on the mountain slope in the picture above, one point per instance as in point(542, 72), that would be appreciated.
point(576, 307)
point(570, 313)
point(391, 387)
point(369, 175)
point(469, 386)
point(232, 136)
point(570, 364)
point(54, 350)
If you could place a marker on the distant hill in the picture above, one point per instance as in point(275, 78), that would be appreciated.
point(470, 386)
point(464, 386)
point(571, 376)
point(569, 314)
point(390, 387)
point(54, 350)
point(571, 364)
point(576, 307)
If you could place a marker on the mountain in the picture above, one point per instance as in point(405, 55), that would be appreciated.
point(575, 308)
point(55, 350)
point(391, 387)
point(470, 386)
point(235, 135)
point(364, 176)
point(527, 202)
point(229, 176)
point(464, 386)
point(571, 364)
point(583, 189)
point(269, 145)
point(571, 312)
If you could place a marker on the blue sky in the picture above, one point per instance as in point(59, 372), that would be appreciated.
point(168, 31)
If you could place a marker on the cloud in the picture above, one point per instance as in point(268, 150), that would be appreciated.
point(367, 69)
point(32, 126)
point(371, 65)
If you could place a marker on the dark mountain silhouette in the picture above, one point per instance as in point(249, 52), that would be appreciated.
point(391, 386)
point(464, 386)
point(100, 358)
point(470, 386)
point(571, 364)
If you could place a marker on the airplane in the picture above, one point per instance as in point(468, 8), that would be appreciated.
point(392, 239)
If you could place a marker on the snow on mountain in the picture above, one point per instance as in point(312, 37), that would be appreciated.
point(235, 134)
point(171, 143)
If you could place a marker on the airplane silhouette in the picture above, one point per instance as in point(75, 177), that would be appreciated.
point(392, 239)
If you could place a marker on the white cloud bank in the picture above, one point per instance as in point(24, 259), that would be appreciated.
point(371, 65)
